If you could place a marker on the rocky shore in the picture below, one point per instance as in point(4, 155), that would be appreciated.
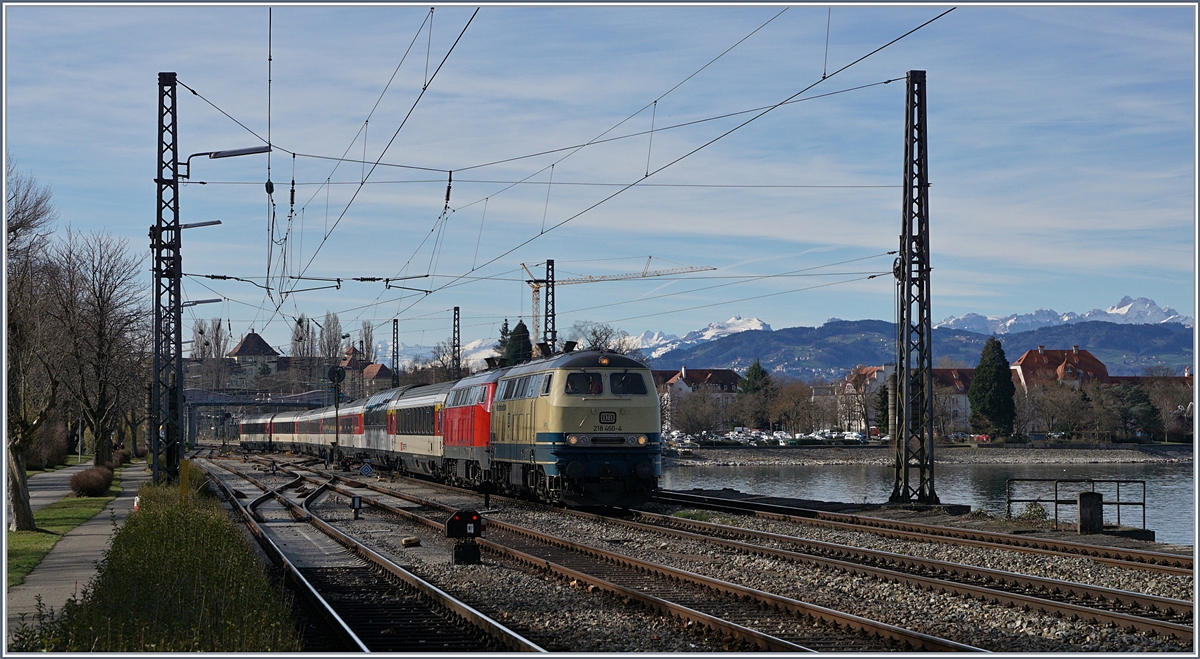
point(883, 455)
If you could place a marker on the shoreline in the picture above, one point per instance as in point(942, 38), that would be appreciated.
point(883, 455)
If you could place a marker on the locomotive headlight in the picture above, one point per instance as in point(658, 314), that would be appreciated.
point(572, 439)
point(642, 439)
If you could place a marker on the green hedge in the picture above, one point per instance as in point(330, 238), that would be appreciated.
point(178, 577)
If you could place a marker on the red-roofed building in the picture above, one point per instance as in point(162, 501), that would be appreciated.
point(1071, 367)
point(722, 383)
point(376, 378)
point(252, 358)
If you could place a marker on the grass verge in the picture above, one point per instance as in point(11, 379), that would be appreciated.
point(26, 549)
point(72, 460)
point(706, 516)
point(179, 576)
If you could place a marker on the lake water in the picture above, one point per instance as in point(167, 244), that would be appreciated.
point(1170, 489)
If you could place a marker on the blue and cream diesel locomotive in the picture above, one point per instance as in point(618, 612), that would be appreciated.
point(579, 428)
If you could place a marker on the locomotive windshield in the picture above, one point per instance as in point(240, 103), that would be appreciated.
point(585, 384)
point(627, 384)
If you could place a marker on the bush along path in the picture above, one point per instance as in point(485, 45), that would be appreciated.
point(183, 578)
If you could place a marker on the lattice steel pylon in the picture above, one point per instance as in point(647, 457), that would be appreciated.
point(395, 352)
point(166, 396)
point(456, 349)
point(551, 333)
point(914, 328)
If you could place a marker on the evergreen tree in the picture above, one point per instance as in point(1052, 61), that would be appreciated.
point(881, 410)
point(991, 393)
point(756, 379)
point(502, 344)
point(518, 349)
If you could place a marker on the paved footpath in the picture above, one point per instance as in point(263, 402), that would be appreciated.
point(46, 487)
point(72, 563)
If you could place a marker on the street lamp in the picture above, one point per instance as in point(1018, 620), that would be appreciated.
point(228, 153)
point(166, 398)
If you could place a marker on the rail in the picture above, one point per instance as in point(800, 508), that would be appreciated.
point(1009, 500)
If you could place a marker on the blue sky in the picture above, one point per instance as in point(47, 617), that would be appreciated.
point(1061, 140)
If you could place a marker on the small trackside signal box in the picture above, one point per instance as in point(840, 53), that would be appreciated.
point(464, 524)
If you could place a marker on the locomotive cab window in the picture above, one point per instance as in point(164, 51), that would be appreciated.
point(584, 384)
point(546, 384)
point(626, 384)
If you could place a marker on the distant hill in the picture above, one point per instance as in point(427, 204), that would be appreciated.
point(827, 351)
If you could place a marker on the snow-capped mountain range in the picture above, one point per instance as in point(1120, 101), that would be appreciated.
point(1129, 311)
point(654, 344)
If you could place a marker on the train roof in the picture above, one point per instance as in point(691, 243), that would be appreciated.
point(421, 391)
point(578, 359)
point(481, 378)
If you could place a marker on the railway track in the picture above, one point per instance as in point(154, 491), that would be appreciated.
point(759, 619)
point(1106, 606)
point(1103, 606)
point(1118, 557)
point(373, 604)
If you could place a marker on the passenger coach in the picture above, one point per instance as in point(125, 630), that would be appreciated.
point(580, 428)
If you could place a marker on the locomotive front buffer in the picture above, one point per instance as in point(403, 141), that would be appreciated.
point(464, 526)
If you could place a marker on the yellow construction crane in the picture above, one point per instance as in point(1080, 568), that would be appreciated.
point(536, 285)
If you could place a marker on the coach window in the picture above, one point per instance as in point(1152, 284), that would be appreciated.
point(584, 384)
point(626, 384)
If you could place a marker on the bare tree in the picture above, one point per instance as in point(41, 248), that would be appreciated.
point(943, 411)
point(304, 344)
point(858, 401)
point(330, 341)
point(1170, 395)
point(1028, 406)
point(95, 297)
point(201, 346)
point(696, 412)
point(218, 336)
point(368, 341)
point(134, 391)
point(441, 361)
point(302, 371)
point(28, 212)
point(594, 335)
point(1065, 409)
point(33, 382)
point(793, 407)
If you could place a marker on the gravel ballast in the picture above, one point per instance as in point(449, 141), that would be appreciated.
point(569, 618)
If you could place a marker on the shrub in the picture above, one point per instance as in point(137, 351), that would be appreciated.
point(198, 483)
point(1034, 511)
point(141, 451)
point(93, 482)
point(121, 457)
point(178, 577)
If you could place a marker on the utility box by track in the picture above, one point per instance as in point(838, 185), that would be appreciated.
point(1091, 513)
